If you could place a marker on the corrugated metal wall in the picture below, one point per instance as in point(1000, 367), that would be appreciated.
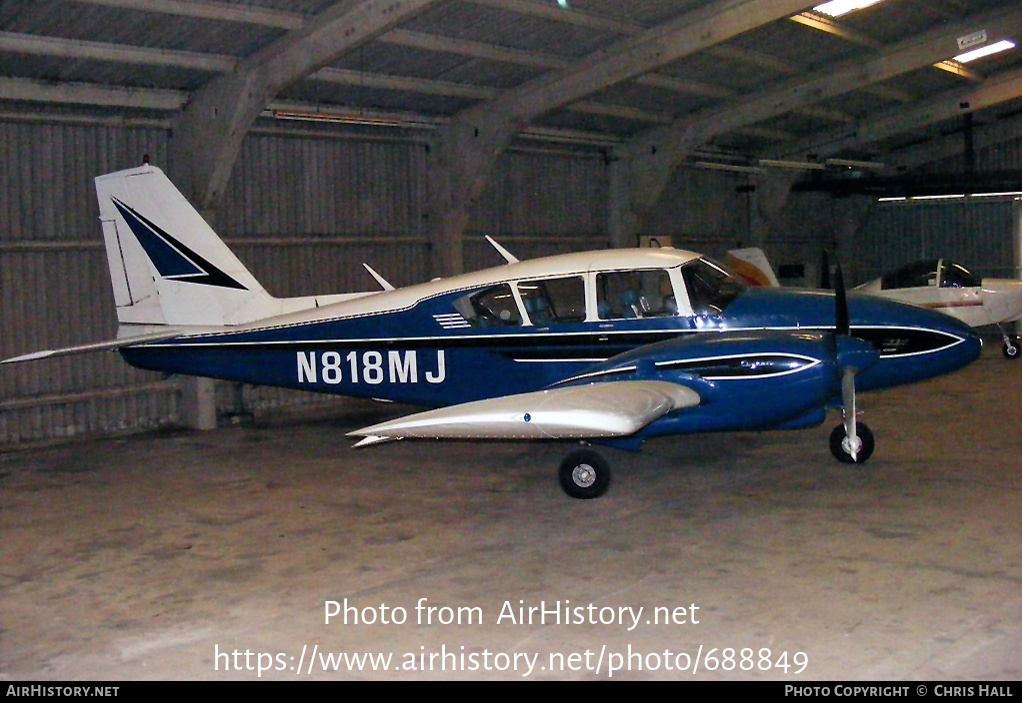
point(978, 233)
point(54, 286)
point(705, 211)
point(975, 233)
point(540, 204)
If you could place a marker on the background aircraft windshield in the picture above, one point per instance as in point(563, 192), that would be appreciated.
point(918, 274)
point(930, 273)
point(957, 276)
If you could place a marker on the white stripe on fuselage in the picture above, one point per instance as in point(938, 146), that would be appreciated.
point(533, 335)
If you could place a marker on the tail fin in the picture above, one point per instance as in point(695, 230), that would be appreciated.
point(167, 266)
point(752, 265)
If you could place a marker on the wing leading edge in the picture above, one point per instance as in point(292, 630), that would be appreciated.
point(611, 409)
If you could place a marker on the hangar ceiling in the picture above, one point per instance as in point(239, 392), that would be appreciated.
point(719, 84)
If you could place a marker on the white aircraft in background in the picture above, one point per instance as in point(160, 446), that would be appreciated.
point(938, 284)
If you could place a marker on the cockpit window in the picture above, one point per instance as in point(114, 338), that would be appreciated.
point(493, 307)
point(919, 274)
point(634, 294)
point(554, 300)
point(711, 287)
point(956, 276)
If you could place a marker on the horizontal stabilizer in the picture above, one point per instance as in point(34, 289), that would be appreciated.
point(612, 409)
point(94, 347)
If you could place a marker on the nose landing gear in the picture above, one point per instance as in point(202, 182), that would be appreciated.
point(584, 474)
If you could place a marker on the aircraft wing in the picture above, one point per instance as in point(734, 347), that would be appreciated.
point(609, 409)
point(93, 347)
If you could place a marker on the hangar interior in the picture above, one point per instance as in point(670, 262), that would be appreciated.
point(315, 135)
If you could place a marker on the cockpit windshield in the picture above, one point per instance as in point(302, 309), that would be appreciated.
point(918, 274)
point(940, 273)
point(957, 276)
point(711, 287)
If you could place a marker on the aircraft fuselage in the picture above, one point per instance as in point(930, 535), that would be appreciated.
point(436, 345)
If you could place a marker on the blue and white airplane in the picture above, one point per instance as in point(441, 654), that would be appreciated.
point(611, 347)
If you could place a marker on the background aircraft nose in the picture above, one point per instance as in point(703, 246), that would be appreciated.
point(1004, 298)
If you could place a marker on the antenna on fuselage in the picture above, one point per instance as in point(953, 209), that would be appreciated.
point(508, 256)
point(384, 283)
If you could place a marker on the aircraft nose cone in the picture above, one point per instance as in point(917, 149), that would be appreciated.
point(1003, 297)
point(966, 351)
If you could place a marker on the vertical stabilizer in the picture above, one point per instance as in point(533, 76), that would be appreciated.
point(167, 266)
point(753, 266)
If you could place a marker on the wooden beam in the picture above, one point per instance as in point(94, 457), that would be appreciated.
point(463, 153)
point(204, 9)
point(209, 133)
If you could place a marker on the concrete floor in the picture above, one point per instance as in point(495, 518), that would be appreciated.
point(146, 557)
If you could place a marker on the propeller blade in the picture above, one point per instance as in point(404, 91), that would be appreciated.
point(824, 269)
point(842, 324)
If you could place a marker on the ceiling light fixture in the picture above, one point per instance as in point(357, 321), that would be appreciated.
point(852, 163)
point(1003, 194)
point(979, 53)
point(836, 8)
point(336, 118)
point(950, 196)
point(778, 163)
point(717, 166)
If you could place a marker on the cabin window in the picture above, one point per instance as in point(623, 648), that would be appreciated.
point(634, 294)
point(711, 288)
point(493, 307)
point(554, 300)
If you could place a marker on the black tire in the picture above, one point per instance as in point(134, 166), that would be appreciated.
point(584, 474)
point(837, 448)
point(1012, 350)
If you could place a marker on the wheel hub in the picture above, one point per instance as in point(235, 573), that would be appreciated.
point(583, 475)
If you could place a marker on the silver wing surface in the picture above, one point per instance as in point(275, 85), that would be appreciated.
point(611, 409)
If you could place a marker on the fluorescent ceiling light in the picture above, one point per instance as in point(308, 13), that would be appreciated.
point(836, 8)
point(737, 168)
point(781, 163)
point(957, 196)
point(853, 163)
point(994, 48)
point(336, 118)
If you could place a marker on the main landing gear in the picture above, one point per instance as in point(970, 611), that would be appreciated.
point(1011, 347)
point(584, 474)
point(841, 445)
